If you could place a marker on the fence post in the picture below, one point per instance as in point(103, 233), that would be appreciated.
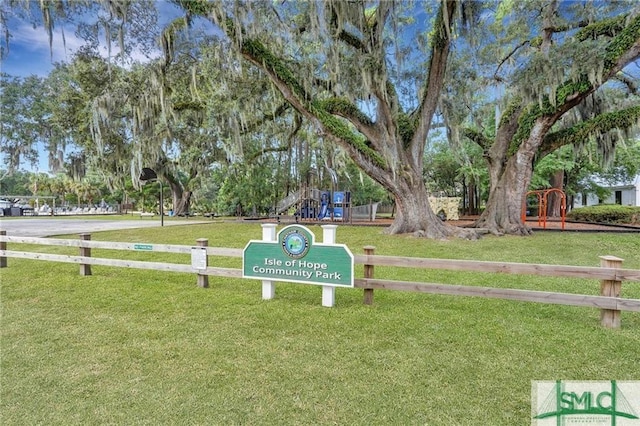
point(85, 269)
point(328, 291)
point(368, 273)
point(610, 318)
point(3, 246)
point(268, 286)
point(203, 280)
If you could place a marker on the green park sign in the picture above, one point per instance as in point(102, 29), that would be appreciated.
point(295, 257)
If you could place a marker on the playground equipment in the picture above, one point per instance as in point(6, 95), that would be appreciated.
point(542, 195)
point(314, 204)
point(311, 203)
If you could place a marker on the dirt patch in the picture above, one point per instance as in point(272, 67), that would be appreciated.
point(552, 224)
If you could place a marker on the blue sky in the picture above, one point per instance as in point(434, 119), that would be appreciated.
point(29, 51)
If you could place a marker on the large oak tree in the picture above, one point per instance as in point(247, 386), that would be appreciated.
point(556, 94)
point(340, 65)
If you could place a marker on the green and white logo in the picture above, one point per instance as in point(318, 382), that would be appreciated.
point(296, 257)
point(295, 242)
point(566, 402)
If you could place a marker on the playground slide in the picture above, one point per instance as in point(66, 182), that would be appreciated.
point(289, 201)
point(323, 210)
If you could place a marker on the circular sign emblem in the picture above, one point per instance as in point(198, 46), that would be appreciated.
point(295, 244)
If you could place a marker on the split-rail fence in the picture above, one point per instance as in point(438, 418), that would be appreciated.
point(610, 273)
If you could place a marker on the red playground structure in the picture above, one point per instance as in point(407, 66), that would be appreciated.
point(542, 195)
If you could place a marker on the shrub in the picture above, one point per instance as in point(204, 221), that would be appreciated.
point(606, 213)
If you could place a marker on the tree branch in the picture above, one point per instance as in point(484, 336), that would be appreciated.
point(623, 119)
point(606, 27)
point(433, 86)
point(298, 125)
point(477, 137)
point(266, 150)
point(629, 82)
point(513, 52)
point(346, 109)
point(266, 117)
point(621, 50)
point(565, 28)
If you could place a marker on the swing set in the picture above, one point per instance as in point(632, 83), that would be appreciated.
point(542, 195)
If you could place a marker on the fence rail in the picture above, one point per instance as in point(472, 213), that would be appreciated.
point(161, 248)
point(586, 272)
point(610, 273)
point(601, 302)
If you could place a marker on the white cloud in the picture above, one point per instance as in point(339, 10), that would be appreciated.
point(36, 41)
point(30, 52)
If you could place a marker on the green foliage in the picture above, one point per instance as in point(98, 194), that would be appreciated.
point(627, 161)
point(560, 160)
point(363, 189)
point(440, 32)
point(607, 27)
point(205, 193)
point(448, 170)
point(504, 9)
point(606, 213)
point(622, 43)
point(16, 183)
point(248, 188)
point(148, 198)
point(442, 172)
point(536, 42)
point(588, 129)
point(344, 107)
point(22, 115)
point(196, 7)
point(566, 89)
point(545, 108)
point(255, 49)
point(478, 137)
point(342, 130)
point(584, 170)
point(514, 104)
point(406, 128)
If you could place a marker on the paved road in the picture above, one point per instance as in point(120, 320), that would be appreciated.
point(46, 227)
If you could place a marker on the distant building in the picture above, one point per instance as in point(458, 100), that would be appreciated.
point(623, 193)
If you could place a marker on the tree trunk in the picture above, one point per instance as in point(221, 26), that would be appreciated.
point(471, 196)
point(181, 199)
point(415, 215)
point(503, 213)
point(183, 204)
point(554, 201)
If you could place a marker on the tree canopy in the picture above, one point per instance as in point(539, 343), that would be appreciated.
point(248, 87)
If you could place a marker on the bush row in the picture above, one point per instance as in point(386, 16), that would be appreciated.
point(606, 213)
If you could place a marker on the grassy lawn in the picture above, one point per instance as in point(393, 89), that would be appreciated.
point(128, 346)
